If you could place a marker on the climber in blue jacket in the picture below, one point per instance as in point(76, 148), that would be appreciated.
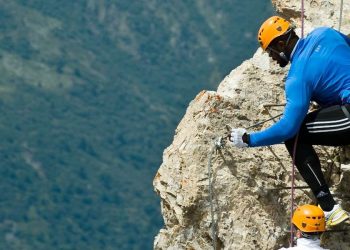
point(319, 72)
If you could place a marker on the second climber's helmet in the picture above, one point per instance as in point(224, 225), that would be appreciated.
point(309, 218)
point(273, 27)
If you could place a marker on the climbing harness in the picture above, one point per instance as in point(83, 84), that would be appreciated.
point(217, 145)
point(345, 111)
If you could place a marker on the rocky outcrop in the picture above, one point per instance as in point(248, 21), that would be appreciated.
point(250, 202)
point(317, 13)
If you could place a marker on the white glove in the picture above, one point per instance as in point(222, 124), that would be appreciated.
point(236, 137)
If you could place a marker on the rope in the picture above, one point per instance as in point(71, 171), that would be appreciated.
point(295, 147)
point(292, 189)
point(302, 18)
point(218, 143)
point(213, 233)
point(262, 122)
point(341, 14)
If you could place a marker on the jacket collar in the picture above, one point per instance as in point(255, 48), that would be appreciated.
point(310, 243)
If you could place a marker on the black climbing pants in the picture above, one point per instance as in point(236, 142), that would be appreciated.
point(327, 126)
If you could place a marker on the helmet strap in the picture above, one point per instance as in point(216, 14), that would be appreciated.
point(283, 55)
point(312, 236)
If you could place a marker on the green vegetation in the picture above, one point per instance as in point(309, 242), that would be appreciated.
point(91, 92)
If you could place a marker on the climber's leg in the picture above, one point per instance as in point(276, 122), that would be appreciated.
point(309, 167)
point(326, 126)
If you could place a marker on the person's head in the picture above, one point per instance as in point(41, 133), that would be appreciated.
point(309, 220)
point(278, 38)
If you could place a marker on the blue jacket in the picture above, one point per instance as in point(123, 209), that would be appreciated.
point(320, 72)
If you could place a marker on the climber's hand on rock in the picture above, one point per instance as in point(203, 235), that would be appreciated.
point(236, 137)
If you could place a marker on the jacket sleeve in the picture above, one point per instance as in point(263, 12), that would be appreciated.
point(298, 97)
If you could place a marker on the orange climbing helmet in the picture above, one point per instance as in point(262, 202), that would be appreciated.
point(309, 218)
point(273, 27)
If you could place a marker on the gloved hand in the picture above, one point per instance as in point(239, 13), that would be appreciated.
point(236, 137)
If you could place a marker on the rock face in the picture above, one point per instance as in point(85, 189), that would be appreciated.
point(251, 207)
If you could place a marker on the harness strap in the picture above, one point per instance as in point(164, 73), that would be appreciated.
point(345, 111)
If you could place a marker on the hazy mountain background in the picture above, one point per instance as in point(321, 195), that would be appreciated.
point(90, 95)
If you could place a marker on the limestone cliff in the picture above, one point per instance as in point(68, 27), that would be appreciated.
point(250, 203)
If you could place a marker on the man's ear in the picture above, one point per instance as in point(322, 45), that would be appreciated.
point(298, 233)
point(281, 45)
